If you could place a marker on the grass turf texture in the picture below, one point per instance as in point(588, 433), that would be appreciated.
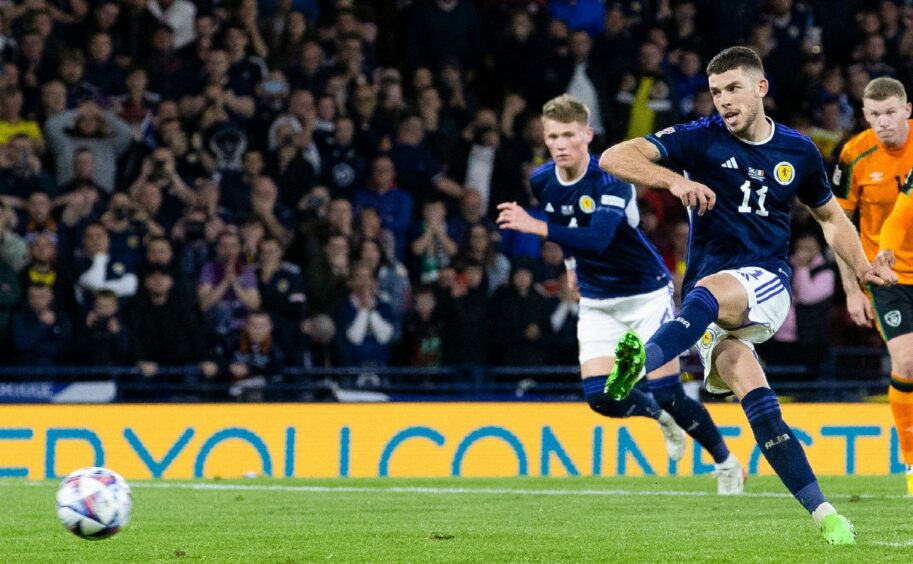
point(570, 520)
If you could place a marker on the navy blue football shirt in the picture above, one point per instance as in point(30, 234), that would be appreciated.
point(617, 260)
point(755, 184)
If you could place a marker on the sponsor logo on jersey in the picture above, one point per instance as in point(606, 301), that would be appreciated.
point(756, 174)
point(784, 173)
point(587, 204)
point(730, 163)
point(893, 318)
point(567, 209)
point(876, 176)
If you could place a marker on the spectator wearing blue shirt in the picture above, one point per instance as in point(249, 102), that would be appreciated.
point(365, 322)
point(393, 205)
point(417, 171)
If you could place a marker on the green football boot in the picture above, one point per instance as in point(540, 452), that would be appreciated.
point(629, 362)
point(837, 529)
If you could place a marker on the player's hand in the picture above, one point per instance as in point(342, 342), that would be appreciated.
point(512, 216)
point(885, 257)
point(879, 274)
point(860, 309)
point(694, 195)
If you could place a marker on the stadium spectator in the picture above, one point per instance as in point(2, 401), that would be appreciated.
point(393, 205)
point(423, 331)
point(41, 334)
point(227, 290)
point(282, 290)
point(365, 322)
point(520, 325)
point(103, 338)
point(463, 304)
point(98, 268)
point(10, 293)
point(445, 29)
point(644, 99)
point(88, 128)
point(392, 279)
point(13, 250)
point(255, 360)
point(164, 332)
point(417, 172)
point(327, 275)
point(479, 248)
point(432, 249)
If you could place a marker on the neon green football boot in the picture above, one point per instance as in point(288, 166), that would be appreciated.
point(837, 529)
point(629, 362)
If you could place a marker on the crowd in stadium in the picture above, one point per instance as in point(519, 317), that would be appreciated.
point(252, 185)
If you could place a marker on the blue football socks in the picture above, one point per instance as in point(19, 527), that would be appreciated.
point(690, 415)
point(638, 403)
point(674, 337)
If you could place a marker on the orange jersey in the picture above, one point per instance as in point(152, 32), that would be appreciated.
point(897, 235)
point(869, 177)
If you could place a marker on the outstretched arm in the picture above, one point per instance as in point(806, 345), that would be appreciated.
point(842, 237)
point(595, 238)
point(635, 161)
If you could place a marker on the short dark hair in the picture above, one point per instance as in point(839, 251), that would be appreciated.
point(734, 58)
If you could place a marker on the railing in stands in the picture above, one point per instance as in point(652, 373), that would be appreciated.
point(837, 379)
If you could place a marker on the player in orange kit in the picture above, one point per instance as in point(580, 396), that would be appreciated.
point(873, 174)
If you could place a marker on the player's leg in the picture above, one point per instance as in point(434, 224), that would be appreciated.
point(666, 386)
point(597, 330)
point(894, 315)
point(900, 396)
point(738, 366)
point(717, 298)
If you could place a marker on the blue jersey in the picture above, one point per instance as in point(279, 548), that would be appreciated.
point(617, 259)
point(755, 184)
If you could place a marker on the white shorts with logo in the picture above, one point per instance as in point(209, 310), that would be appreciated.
point(603, 322)
point(768, 304)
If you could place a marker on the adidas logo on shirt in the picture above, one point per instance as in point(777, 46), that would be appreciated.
point(549, 208)
point(730, 163)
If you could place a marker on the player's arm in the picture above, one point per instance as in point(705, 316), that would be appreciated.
point(857, 303)
point(842, 237)
point(596, 238)
point(636, 161)
point(894, 228)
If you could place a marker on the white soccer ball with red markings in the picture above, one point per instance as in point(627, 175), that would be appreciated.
point(94, 503)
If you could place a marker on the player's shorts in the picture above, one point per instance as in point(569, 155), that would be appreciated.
point(893, 309)
point(603, 322)
point(768, 304)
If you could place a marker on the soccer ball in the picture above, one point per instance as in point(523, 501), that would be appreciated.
point(94, 503)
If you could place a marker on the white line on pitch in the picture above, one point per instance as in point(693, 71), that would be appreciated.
point(896, 544)
point(436, 490)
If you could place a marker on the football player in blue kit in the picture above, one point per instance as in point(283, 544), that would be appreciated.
point(741, 173)
point(622, 281)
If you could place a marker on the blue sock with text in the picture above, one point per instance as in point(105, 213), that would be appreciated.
point(699, 310)
point(781, 448)
point(689, 414)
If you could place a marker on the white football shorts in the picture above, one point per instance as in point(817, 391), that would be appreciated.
point(768, 304)
point(603, 322)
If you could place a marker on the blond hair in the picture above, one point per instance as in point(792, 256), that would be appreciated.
point(883, 88)
point(566, 109)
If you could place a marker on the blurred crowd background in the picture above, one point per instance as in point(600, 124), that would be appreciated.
point(248, 186)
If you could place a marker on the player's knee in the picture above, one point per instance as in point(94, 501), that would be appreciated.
point(604, 405)
point(903, 365)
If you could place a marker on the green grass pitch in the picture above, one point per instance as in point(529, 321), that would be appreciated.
point(465, 520)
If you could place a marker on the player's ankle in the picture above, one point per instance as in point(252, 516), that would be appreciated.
point(822, 511)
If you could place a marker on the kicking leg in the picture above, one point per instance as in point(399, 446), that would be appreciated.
point(739, 368)
point(718, 298)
